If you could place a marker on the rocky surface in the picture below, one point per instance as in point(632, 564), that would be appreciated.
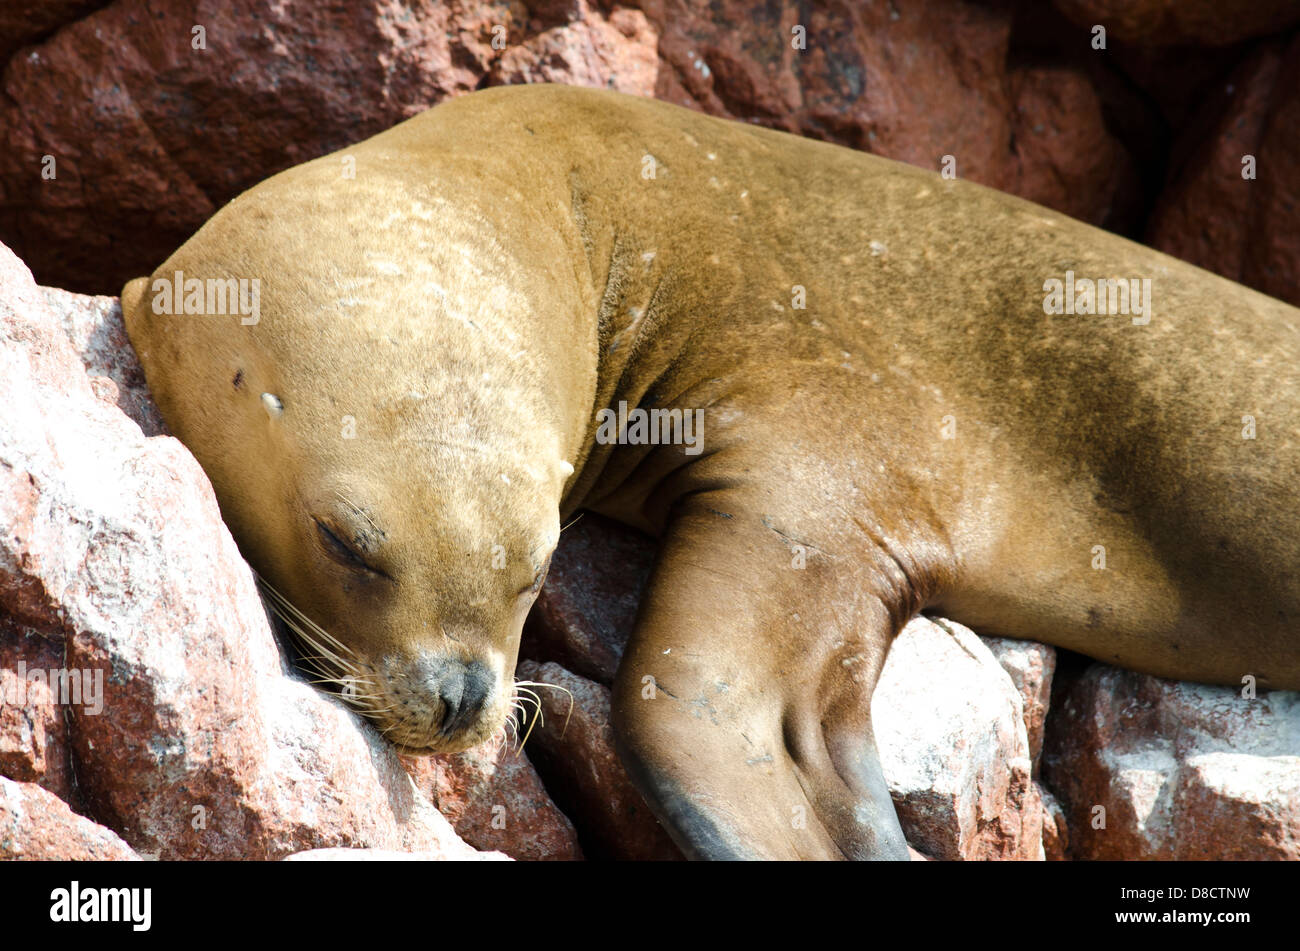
point(150, 128)
point(23, 22)
point(126, 130)
point(1030, 666)
point(954, 745)
point(495, 800)
point(584, 614)
point(1245, 228)
point(574, 749)
point(38, 826)
point(1158, 769)
point(1183, 22)
point(149, 132)
point(383, 855)
point(34, 744)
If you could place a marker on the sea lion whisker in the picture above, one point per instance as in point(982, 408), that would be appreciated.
point(317, 658)
point(306, 639)
point(535, 716)
point(360, 699)
point(280, 601)
point(538, 683)
point(326, 656)
point(396, 724)
point(525, 693)
point(532, 722)
point(326, 641)
point(532, 699)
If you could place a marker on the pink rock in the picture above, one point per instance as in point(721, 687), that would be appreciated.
point(950, 728)
point(495, 800)
point(574, 752)
point(1030, 666)
point(93, 325)
point(586, 50)
point(1181, 770)
point(1056, 832)
point(112, 543)
point(36, 824)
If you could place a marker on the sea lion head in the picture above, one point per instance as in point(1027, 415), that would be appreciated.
point(383, 438)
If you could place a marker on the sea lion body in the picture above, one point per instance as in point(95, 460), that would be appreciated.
point(892, 422)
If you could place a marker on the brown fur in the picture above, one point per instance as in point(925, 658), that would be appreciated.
point(576, 282)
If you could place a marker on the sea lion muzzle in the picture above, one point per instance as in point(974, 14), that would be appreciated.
point(463, 690)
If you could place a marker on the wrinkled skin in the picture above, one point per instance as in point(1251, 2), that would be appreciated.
point(919, 435)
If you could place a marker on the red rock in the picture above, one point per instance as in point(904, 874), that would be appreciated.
point(113, 543)
point(33, 730)
point(495, 800)
point(1064, 155)
point(574, 752)
point(1246, 230)
point(1183, 22)
point(36, 824)
point(26, 21)
point(1183, 771)
point(151, 136)
point(1056, 832)
point(586, 611)
point(913, 82)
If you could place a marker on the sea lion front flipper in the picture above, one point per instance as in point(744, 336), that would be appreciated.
point(742, 710)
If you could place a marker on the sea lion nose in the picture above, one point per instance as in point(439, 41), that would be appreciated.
point(463, 689)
